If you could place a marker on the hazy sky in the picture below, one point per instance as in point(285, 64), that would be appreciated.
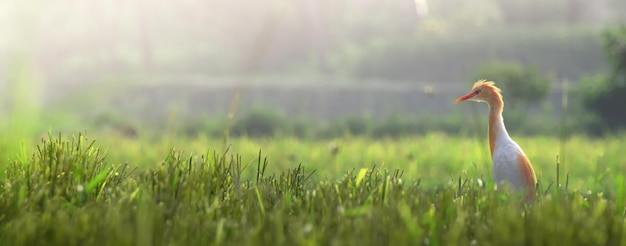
point(49, 45)
point(78, 41)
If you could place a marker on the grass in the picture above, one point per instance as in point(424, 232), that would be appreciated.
point(433, 158)
point(354, 191)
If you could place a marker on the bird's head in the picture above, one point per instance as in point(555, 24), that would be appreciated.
point(482, 91)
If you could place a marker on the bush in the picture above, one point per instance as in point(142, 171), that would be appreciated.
point(572, 52)
point(259, 123)
point(396, 126)
point(302, 128)
point(351, 125)
point(604, 95)
point(203, 125)
point(521, 85)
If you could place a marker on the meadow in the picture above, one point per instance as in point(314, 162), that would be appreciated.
point(107, 189)
point(270, 179)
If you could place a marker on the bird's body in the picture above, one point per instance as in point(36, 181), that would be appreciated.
point(510, 164)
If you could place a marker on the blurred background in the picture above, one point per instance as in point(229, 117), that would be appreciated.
point(310, 68)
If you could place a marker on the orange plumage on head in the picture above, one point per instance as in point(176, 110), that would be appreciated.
point(488, 85)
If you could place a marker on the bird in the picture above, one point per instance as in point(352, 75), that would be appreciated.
point(510, 165)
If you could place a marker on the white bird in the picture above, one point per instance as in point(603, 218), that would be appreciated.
point(510, 164)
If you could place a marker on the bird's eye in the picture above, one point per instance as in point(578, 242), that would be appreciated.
point(477, 91)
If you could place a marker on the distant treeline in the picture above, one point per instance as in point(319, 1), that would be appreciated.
point(353, 38)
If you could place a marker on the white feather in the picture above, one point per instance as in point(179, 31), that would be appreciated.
point(505, 157)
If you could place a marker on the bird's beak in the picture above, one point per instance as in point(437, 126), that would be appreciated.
point(468, 96)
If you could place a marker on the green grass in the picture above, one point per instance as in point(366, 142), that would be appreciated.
point(434, 158)
point(412, 191)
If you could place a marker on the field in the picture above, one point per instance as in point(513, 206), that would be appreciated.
point(107, 189)
point(308, 122)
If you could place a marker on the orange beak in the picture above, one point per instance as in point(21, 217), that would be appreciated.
point(468, 96)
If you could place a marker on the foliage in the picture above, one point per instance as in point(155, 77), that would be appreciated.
point(446, 58)
point(283, 38)
point(264, 122)
point(67, 196)
point(258, 123)
point(519, 84)
point(360, 125)
point(604, 95)
point(396, 125)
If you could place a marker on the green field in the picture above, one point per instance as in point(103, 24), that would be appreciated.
point(308, 122)
point(285, 191)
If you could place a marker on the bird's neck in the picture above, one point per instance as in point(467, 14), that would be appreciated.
point(496, 123)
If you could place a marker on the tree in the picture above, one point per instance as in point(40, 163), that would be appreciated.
point(520, 84)
point(604, 95)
